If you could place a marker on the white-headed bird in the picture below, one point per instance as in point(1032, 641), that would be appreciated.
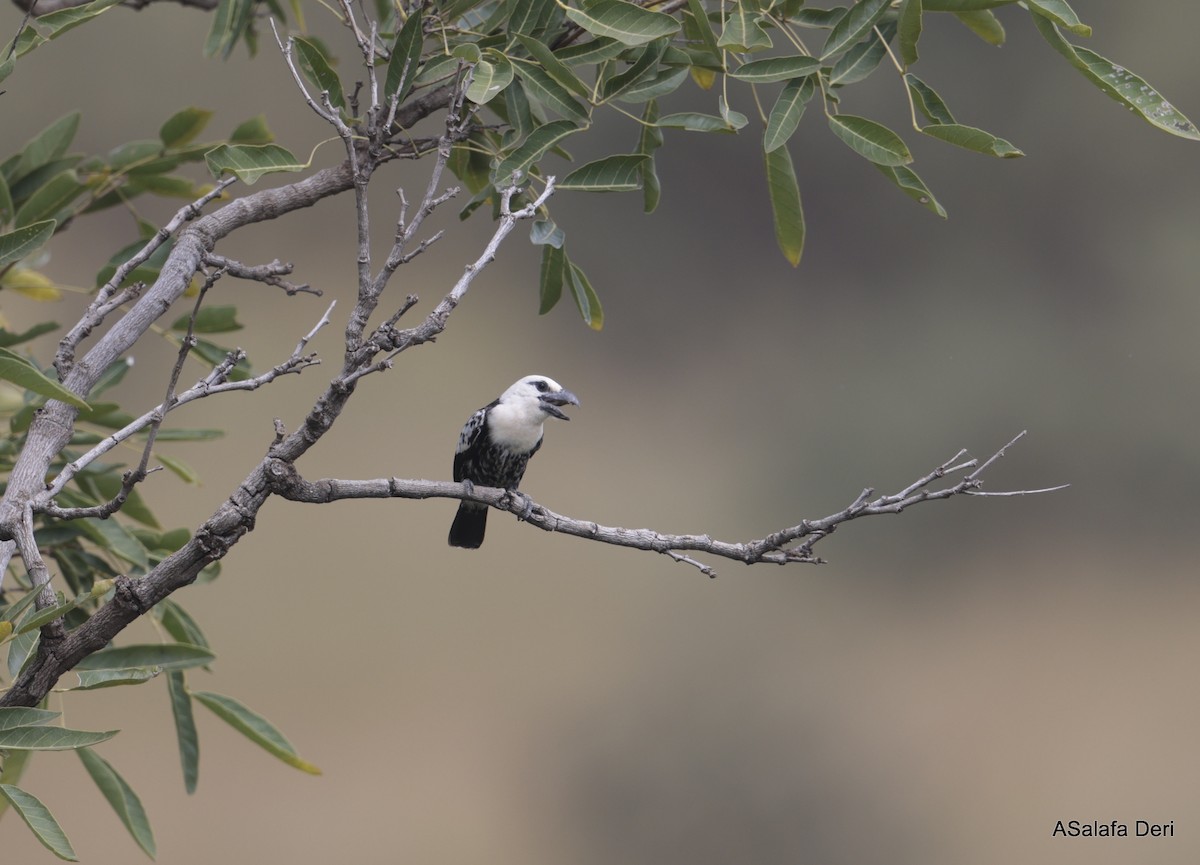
point(496, 443)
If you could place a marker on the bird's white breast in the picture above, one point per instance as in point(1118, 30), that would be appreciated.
point(516, 425)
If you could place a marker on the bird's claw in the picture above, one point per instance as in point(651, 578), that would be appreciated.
point(527, 503)
point(468, 487)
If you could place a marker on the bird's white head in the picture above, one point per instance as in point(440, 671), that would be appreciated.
point(517, 418)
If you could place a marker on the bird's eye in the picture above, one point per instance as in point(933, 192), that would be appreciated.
point(541, 386)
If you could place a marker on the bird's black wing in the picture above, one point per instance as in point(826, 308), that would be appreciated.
point(469, 438)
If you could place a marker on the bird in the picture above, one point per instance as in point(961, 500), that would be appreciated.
point(496, 443)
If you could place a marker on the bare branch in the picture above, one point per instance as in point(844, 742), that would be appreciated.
point(268, 274)
point(772, 549)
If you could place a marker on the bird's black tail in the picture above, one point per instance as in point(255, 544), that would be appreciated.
point(468, 526)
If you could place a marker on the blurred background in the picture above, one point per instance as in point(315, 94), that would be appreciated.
point(954, 681)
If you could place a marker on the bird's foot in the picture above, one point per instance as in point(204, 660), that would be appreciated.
point(468, 487)
point(512, 496)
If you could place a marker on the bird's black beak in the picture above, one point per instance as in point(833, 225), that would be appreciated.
point(551, 402)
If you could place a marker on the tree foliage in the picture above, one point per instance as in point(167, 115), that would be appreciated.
point(535, 76)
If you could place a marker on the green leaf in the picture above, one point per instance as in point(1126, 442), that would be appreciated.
point(590, 53)
point(538, 142)
point(971, 138)
point(870, 140)
point(957, 6)
point(1061, 14)
point(51, 199)
point(183, 126)
point(1119, 83)
point(526, 16)
point(861, 60)
point(189, 435)
point(698, 17)
point(91, 680)
point(855, 24)
point(744, 30)
point(554, 67)
point(228, 24)
point(625, 22)
point(252, 131)
point(545, 231)
point(185, 730)
point(8, 338)
point(551, 277)
point(983, 24)
point(485, 83)
point(650, 139)
point(666, 81)
point(776, 69)
point(168, 656)
point(316, 69)
point(585, 297)
point(210, 319)
point(641, 70)
point(21, 649)
point(693, 122)
point(912, 186)
point(18, 716)
point(13, 611)
point(787, 111)
point(48, 145)
point(48, 614)
point(17, 370)
point(735, 119)
point(249, 162)
point(179, 468)
point(114, 537)
point(177, 621)
point(254, 727)
point(549, 92)
point(909, 27)
point(15, 245)
point(40, 821)
point(619, 173)
point(122, 798)
point(59, 22)
point(927, 101)
point(112, 376)
point(50, 738)
point(7, 64)
point(7, 209)
point(785, 204)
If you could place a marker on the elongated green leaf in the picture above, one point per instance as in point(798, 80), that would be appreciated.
point(44, 738)
point(703, 28)
point(666, 81)
point(14, 610)
point(870, 140)
point(210, 319)
point(927, 101)
point(526, 16)
point(1119, 83)
point(625, 22)
point(7, 209)
point(538, 142)
point(91, 680)
point(15, 245)
point(49, 614)
point(249, 162)
point(185, 730)
point(545, 231)
point(51, 199)
point(1061, 14)
point(230, 22)
point(693, 122)
point(957, 6)
point(861, 60)
point(909, 27)
point(252, 131)
point(121, 797)
point(585, 297)
point(178, 468)
point(254, 727)
point(590, 53)
point(787, 111)
point(20, 649)
point(168, 656)
point(983, 24)
point(549, 92)
point(970, 138)
point(744, 30)
point(47, 146)
point(619, 173)
point(183, 126)
point(912, 186)
point(7, 338)
point(640, 70)
point(406, 57)
point(862, 16)
point(490, 78)
point(776, 69)
point(554, 67)
point(15, 369)
point(551, 278)
point(114, 537)
point(19, 716)
point(40, 821)
point(785, 204)
point(649, 141)
point(316, 69)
